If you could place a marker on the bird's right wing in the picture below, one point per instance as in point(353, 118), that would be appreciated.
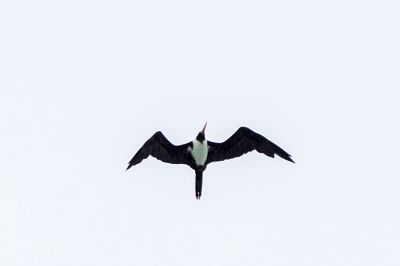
point(161, 148)
point(243, 141)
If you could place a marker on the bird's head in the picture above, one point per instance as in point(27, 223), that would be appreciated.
point(202, 136)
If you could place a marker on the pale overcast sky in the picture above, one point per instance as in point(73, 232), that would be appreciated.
point(83, 84)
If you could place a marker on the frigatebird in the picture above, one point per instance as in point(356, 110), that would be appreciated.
point(199, 153)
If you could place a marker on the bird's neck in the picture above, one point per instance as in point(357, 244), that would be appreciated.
point(200, 142)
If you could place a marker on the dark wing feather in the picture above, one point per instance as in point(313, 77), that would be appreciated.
point(243, 141)
point(161, 148)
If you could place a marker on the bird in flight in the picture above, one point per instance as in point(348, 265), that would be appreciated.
point(198, 153)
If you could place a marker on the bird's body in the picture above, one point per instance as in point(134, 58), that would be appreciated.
point(199, 153)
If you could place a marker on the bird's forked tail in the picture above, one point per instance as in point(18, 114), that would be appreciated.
point(199, 183)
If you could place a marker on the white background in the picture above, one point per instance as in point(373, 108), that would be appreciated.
point(83, 84)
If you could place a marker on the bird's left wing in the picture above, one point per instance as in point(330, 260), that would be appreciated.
point(161, 148)
point(243, 141)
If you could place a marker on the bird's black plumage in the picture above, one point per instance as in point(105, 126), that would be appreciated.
point(192, 154)
point(161, 148)
point(243, 141)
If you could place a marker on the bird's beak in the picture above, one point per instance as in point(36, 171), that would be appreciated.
point(204, 128)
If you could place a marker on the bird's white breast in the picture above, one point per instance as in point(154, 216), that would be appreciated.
point(199, 152)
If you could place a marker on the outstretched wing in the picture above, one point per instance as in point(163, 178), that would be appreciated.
point(161, 148)
point(243, 141)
